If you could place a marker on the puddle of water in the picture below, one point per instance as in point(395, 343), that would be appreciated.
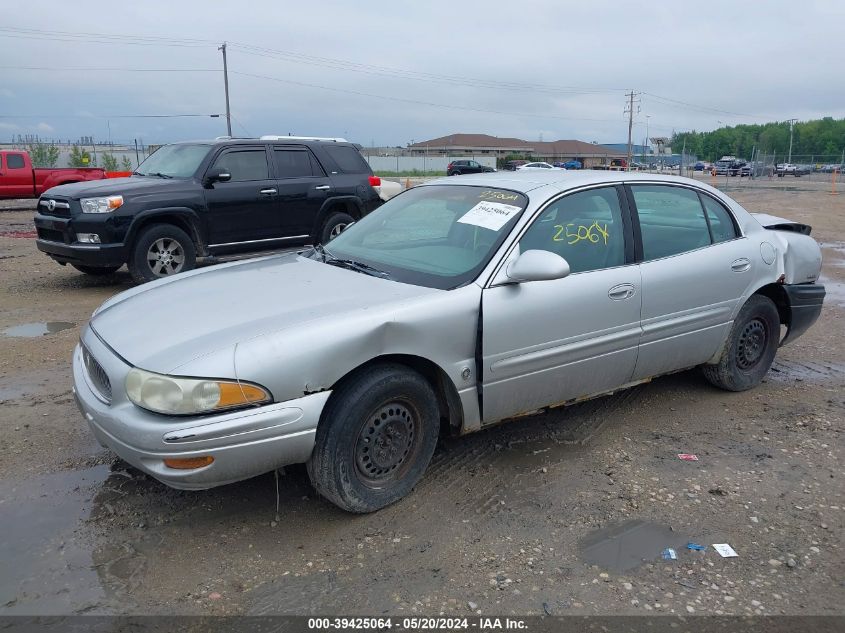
point(33, 330)
point(628, 545)
point(834, 291)
point(47, 563)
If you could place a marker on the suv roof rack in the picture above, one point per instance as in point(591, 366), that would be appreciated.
point(275, 137)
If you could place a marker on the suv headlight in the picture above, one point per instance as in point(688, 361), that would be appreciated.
point(191, 396)
point(101, 205)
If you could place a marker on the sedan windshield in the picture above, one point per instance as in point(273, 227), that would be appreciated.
point(439, 236)
point(174, 161)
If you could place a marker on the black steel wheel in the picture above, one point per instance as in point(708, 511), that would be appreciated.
point(375, 438)
point(750, 348)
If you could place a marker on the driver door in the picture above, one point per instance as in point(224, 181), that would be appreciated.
point(546, 342)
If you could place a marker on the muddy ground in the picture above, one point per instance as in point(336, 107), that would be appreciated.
point(499, 523)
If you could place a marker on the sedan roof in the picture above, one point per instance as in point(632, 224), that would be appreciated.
point(525, 181)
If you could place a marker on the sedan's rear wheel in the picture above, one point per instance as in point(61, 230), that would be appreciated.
point(375, 439)
point(750, 348)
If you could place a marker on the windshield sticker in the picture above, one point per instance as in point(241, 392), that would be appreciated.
point(572, 234)
point(490, 215)
point(498, 195)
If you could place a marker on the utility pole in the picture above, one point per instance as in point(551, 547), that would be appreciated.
point(629, 110)
point(791, 124)
point(222, 47)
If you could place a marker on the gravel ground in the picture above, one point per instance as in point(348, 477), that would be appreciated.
point(503, 520)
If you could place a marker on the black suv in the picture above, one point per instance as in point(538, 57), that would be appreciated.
point(205, 199)
point(458, 167)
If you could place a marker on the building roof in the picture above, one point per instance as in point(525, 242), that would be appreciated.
point(546, 148)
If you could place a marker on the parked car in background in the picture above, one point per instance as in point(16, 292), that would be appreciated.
point(615, 164)
point(513, 165)
point(791, 169)
point(460, 167)
point(739, 168)
point(19, 179)
point(457, 305)
point(205, 199)
point(723, 166)
point(570, 164)
point(536, 165)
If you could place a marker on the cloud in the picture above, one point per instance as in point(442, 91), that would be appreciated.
point(45, 127)
point(8, 126)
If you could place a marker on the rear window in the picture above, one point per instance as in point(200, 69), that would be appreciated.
point(348, 159)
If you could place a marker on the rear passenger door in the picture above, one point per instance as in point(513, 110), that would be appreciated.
point(695, 267)
point(244, 210)
point(303, 188)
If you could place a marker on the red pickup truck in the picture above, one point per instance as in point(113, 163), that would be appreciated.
point(18, 178)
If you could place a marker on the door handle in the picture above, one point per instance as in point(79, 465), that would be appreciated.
point(741, 265)
point(268, 192)
point(622, 291)
point(323, 187)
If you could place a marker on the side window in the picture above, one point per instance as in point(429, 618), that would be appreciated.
point(293, 163)
point(473, 164)
point(584, 228)
point(348, 159)
point(671, 220)
point(721, 225)
point(244, 165)
point(14, 161)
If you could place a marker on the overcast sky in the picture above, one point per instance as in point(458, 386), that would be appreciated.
point(386, 73)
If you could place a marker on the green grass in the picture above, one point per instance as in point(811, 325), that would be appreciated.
point(414, 173)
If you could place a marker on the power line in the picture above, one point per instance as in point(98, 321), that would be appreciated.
point(114, 68)
point(106, 116)
point(415, 101)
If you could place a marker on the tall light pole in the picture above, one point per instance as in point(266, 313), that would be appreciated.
point(647, 144)
point(222, 47)
point(791, 125)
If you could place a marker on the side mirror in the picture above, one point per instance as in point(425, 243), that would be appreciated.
point(536, 265)
point(217, 175)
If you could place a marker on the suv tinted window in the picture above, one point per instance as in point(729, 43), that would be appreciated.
point(671, 220)
point(348, 159)
point(721, 225)
point(246, 164)
point(584, 228)
point(295, 163)
point(14, 161)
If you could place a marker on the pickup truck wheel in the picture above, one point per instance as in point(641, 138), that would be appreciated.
point(334, 226)
point(161, 250)
point(97, 271)
point(375, 439)
point(750, 348)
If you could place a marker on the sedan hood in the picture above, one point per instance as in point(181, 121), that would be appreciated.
point(166, 324)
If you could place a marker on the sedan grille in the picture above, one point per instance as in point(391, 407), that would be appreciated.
point(97, 375)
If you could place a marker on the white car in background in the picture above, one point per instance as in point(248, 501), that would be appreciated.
point(532, 166)
point(387, 189)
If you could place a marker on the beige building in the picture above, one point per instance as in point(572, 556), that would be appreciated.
point(589, 154)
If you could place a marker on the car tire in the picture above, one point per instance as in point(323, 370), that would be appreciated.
point(159, 251)
point(750, 349)
point(333, 226)
point(96, 271)
point(375, 439)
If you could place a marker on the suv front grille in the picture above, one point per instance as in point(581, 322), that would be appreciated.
point(97, 375)
point(54, 206)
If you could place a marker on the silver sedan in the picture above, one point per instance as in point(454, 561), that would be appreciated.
point(454, 306)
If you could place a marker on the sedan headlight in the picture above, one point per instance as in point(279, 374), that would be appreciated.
point(190, 396)
point(101, 205)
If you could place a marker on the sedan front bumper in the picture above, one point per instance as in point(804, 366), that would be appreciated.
point(243, 444)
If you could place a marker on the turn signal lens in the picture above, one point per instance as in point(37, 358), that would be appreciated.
point(232, 394)
point(188, 463)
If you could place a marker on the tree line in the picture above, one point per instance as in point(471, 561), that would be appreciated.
point(47, 155)
point(821, 137)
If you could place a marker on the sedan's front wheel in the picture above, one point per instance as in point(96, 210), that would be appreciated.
point(375, 439)
point(750, 348)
